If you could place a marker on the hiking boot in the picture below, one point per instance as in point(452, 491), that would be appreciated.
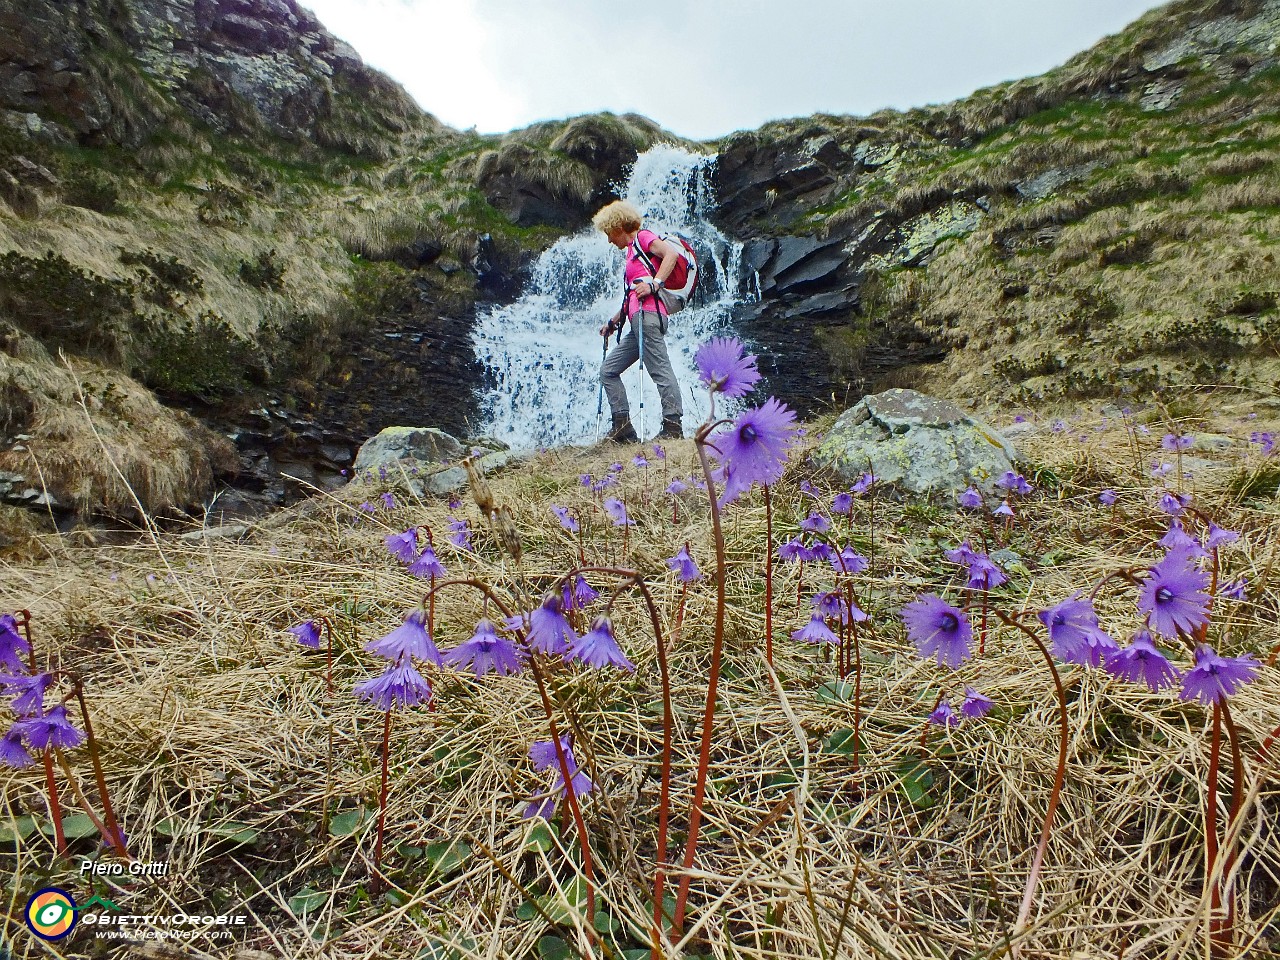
point(622, 431)
point(671, 429)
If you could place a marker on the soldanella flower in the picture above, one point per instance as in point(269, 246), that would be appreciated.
point(639, 460)
point(815, 523)
point(791, 550)
point(549, 631)
point(677, 487)
point(1075, 633)
point(944, 716)
point(971, 499)
point(983, 574)
point(848, 560)
point(1214, 677)
point(566, 519)
point(403, 546)
point(12, 645)
point(1216, 536)
point(388, 501)
point(1142, 660)
point(723, 368)
point(682, 563)
point(754, 447)
point(975, 705)
point(460, 534)
point(1236, 590)
point(1014, 482)
point(398, 685)
point(486, 652)
point(598, 648)
point(938, 630)
point(28, 692)
point(51, 729)
point(308, 634)
point(409, 639)
point(543, 755)
point(863, 484)
point(12, 752)
point(618, 511)
point(815, 631)
point(842, 503)
point(1172, 441)
point(427, 564)
point(962, 554)
point(1177, 538)
point(1171, 503)
point(1107, 498)
point(1004, 510)
point(578, 594)
point(1173, 598)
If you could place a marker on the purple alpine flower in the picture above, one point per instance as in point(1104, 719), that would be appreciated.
point(723, 368)
point(12, 752)
point(962, 554)
point(1236, 590)
point(12, 644)
point(1074, 631)
point(677, 487)
point(842, 503)
point(28, 692)
point(975, 705)
point(944, 716)
point(543, 755)
point(1173, 597)
point(616, 467)
point(618, 511)
point(1216, 536)
point(791, 550)
point(549, 631)
point(863, 484)
point(586, 480)
point(819, 551)
point(400, 684)
point(410, 639)
point(1142, 660)
point(579, 594)
point(427, 564)
point(367, 507)
point(1177, 538)
point(1014, 482)
point(1004, 510)
point(983, 574)
point(971, 499)
point(1107, 498)
point(1214, 677)
point(460, 534)
point(308, 634)
point(1173, 441)
point(754, 447)
point(639, 460)
point(1171, 503)
point(566, 519)
point(658, 452)
point(848, 560)
point(815, 523)
point(1265, 440)
point(938, 630)
point(52, 729)
point(1159, 470)
point(597, 648)
point(815, 631)
point(684, 566)
point(486, 652)
point(388, 501)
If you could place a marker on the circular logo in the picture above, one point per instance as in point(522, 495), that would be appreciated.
point(51, 913)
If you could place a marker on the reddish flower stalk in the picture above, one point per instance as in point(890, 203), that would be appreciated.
point(857, 683)
point(1059, 777)
point(114, 835)
point(55, 808)
point(383, 790)
point(713, 683)
point(768, 577)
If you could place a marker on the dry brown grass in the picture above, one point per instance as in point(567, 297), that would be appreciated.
point(102, 441)
point(214, 719)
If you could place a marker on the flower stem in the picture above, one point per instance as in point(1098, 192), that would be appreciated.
point(114, 836)
point(1059, 777)
point(768, 577)
point(55, 808)
point(713, 682)
point(383, 789)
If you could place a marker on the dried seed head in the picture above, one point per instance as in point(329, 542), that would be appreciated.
point(508, 536)
point(480, 491)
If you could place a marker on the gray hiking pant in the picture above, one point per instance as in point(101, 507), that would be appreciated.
point(656, 362)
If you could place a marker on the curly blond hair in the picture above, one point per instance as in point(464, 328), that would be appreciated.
point(618, 215)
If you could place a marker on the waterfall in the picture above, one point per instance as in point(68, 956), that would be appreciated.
point(542, 354)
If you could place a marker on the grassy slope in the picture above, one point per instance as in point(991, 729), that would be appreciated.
point(223, 750)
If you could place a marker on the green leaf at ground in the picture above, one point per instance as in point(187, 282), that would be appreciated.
point(447, 857)
point(915, 780)
point(13, 832)
point(307, 900)
point(348, 822)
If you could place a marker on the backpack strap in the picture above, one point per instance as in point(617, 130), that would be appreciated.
point(648, 263)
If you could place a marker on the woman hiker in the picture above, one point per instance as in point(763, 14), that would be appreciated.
point(620, 222)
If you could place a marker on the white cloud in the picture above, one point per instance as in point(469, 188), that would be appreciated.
point(705, 69)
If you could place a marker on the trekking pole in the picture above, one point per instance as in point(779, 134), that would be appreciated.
point(604, 353)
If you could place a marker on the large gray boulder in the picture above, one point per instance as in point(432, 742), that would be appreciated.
point(916, 443)
point(425, 459)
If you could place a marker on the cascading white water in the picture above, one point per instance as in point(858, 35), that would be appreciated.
point(542, 354)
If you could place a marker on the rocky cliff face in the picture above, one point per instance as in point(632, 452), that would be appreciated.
point(107, 71)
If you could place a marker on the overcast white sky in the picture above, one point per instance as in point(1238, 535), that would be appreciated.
point(704, 68)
